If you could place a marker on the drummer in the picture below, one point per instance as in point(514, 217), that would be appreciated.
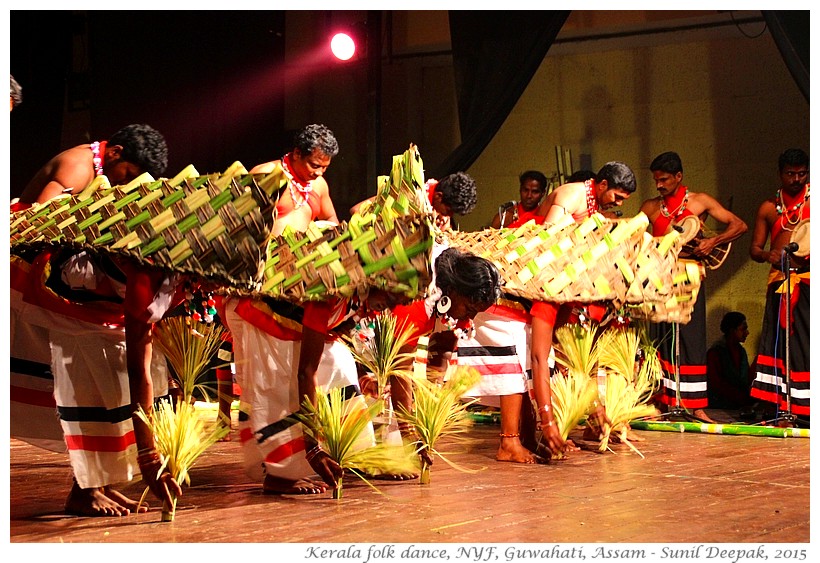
point(674, 203)
point(783, 221)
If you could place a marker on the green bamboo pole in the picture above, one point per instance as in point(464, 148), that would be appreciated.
point(730, 429)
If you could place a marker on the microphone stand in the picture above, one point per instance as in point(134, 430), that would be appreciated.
point(787, 417)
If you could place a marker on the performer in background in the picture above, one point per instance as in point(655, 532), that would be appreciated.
point(674, 203)
point(533, 186)
point(307, 197)
point(778, 220)
point(129, 152)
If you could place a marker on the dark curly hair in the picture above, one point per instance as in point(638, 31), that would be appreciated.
point(468, 275)
point(667, 162)
point(316, 136)
point(144, 146)
point(458, 192)
point(793, 157)
point(617, 175)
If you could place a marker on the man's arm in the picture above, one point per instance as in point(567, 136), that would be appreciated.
point(327, 212)
point(760, 235)
point(735, 226)
point(310, 354)
point(563, 201)
point(138, 350)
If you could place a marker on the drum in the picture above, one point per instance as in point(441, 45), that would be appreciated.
point(690, 226)
point(802, 236)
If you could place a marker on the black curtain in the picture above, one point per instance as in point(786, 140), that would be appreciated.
point(40, 60)
point(790, 30)
point(495, 55)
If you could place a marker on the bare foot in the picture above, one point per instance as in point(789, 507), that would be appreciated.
point(92, 502)
point(510, 449)
point(700, 414)
point(278, 486)
point(131, 504)
point(393, 476)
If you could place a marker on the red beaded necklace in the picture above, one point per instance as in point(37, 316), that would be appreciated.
point(787, 206)
point(681, 206)
point(592, 201)
point(304, 188)
point(98, 150)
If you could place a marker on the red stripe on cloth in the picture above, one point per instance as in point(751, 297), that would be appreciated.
point(510, 310)
point(286, 450)
point(254, 312)
point(32, 397)
point(698, 369)
point(100, 443)
point(780, 366)
point(245, 435)
point(494, 369)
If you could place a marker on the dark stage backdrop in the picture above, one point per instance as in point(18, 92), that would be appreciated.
point(210, 82)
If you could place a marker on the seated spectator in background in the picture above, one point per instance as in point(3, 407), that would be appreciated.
point(727, 365)
point(129, 152)
point(533, 186)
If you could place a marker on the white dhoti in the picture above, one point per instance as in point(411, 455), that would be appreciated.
point(272, 442)
point(499, 350)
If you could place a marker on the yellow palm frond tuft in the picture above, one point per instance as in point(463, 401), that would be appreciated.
point(180, 437)
point(439, 411)
point(189, 346)
point(341, 427)
point(378, 347)
point(572, 395)
point(576, 349)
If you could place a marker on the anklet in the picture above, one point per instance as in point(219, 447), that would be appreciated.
point(509, 435)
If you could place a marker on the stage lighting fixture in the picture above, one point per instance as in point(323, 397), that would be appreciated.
point(343, 46)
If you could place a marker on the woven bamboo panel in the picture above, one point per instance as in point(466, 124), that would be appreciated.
point(403, 191)
point(342, 260)
point(212, 226)
point(687, 276)
point(599, 259)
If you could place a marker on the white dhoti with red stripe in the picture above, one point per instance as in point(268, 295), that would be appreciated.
point(499, 350)
point(266, 371)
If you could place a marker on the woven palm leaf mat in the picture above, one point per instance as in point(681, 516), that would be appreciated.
point(217, 227)
point(599, 259)
point(213, 226)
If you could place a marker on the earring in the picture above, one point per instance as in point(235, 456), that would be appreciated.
point(443, 305)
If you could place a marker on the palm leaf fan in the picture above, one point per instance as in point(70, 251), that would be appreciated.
point(343, 429)
point(189, 346)
point(439, 412)
point(180, 437)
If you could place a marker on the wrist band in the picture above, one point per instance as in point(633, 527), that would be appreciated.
point(313, 452)
point(516, 435)
point(544, 408)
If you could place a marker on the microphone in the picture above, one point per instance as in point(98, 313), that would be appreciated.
point(678, 228)
point(791, 248)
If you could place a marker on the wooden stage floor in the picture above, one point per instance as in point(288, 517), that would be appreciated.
point(689, 488)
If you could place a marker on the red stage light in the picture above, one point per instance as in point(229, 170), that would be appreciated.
point(342, 46)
